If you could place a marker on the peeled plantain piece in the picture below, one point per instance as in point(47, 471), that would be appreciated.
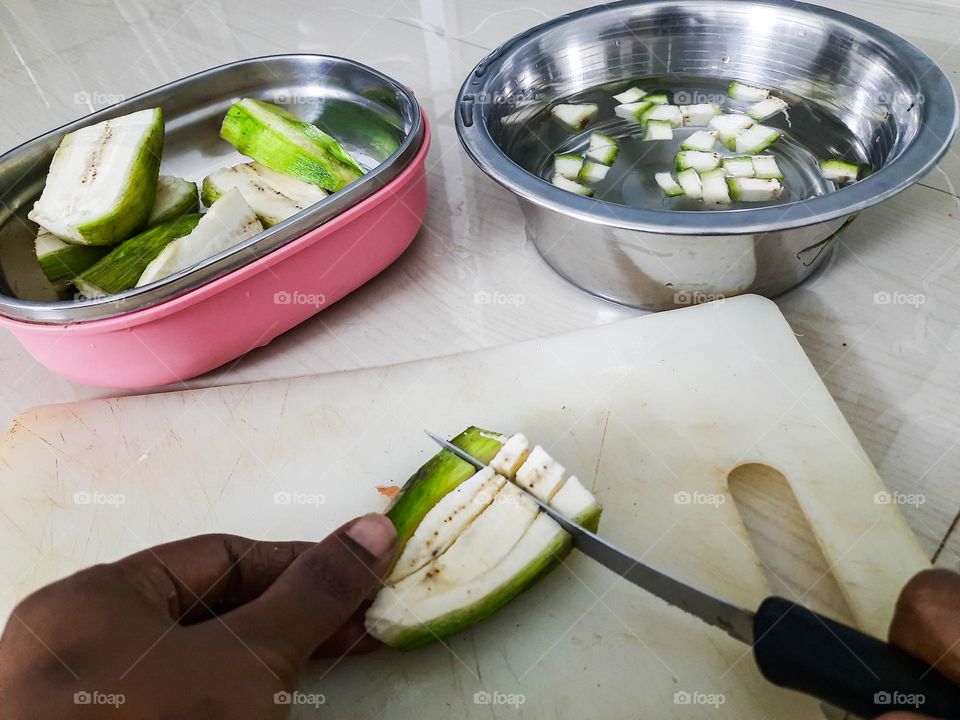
point(228, 222)
point(175, 197)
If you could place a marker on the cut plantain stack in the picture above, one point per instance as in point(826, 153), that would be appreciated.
point(472, 540)
point(108, 221)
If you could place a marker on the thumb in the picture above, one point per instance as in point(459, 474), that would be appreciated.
point(317, 593)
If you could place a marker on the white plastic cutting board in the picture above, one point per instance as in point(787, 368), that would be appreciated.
point(653, 413)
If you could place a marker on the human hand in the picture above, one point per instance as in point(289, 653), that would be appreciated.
point(208, 627)
point(926, 624)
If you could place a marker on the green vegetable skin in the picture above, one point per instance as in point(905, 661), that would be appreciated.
point(544, 545)
point(275, 138)
point(122, 267)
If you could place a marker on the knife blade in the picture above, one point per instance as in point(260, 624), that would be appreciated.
point(793, 646)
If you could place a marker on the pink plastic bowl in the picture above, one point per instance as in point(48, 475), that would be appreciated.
point(220, 321)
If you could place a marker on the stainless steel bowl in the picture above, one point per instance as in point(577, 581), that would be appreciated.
point(855, 90)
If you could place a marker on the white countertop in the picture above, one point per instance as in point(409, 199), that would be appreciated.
point(893, 368)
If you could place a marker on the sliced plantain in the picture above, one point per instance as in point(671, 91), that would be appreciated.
point(511, 455)
point(285, 143)
point(440, 475)
point(273, 196)
point(175, 197)
point(120, 269)
point(575, 501)
point(228, 222)
point(62, 261)
point(452, 592)
point(102, 181)
point(488, 547)
point(455, 511)
point(540, 474)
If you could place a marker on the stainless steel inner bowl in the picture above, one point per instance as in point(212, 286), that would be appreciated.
point(855, 91)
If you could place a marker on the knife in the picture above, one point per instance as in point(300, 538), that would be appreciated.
point(793, 646)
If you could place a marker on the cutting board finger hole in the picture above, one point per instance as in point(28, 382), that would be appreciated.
point(783, 540)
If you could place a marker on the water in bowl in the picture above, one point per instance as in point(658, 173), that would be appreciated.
point(810, 134)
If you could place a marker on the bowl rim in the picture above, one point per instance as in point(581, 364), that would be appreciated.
point(936, 131)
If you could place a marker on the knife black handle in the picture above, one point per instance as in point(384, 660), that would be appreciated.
point(802, 650)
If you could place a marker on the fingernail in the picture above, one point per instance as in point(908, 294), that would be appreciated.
point(374, 533)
